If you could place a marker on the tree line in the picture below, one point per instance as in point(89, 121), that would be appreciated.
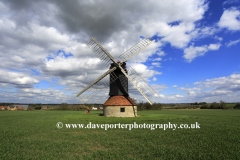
point(147, 106)
point(221, 105)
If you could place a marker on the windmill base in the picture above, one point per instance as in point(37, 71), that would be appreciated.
point(120, 106)
point(120, 111)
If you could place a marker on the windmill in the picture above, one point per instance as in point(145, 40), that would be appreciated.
point(119, 104)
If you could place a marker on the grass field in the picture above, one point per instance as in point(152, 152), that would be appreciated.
point(34, 135)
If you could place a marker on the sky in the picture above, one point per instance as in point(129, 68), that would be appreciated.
point(195, 56)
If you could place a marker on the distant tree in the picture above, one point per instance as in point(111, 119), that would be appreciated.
point(223, 105)
point(204, 106)
point(6, 104)
point(147, 106)
point(201, 103)
point(36, 106)
point(237, 106)
point(63, 106)
point(214, 105)
point(140, 106)
point(156, 106)
point(135, 100)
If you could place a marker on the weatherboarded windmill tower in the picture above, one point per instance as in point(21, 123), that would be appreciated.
point(119, 104)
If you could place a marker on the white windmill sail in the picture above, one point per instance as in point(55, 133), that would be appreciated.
point(135, 49)
point(142, 84)
point(100, 52)
point(97, 86)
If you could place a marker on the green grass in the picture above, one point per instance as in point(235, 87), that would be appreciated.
point(34, 135)
point(231, 104)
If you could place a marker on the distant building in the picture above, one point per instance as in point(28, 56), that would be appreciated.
point(94, 108)
point(19, 108)
point(3, 108)
point(24, 107)
point(12, 108)
point(44, 108)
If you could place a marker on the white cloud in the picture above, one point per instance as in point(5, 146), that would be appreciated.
point(175, 86)
point(214, 46)
point(222, 88)
point(232, 43)
point(175, 97)
point(230, 19)
point(159, 87)
point(179, 96)
point(190, 91)
point(230, 2)
point(17, 79)
point(177, 35)
point(157, 59)
point(161, 53)
point(192, 52)
point(34, 37)
point(218, 38)
point(205, 31)
point(143, 70)
point(61, 66)
point(154, 78)
point(31, 95)
point(156, 64)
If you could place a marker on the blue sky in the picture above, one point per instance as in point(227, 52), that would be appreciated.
point(195, 57)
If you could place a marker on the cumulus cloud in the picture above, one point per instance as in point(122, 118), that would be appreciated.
point(222, 88)
point(230, 19)
point(50, 37)
point(174, 86)
point(190, 91)
point(64, 67)
point(214, 46)
point(192, 52)
point(17, 79)
point(177, 35)
point(31, 95)
point(143, 70)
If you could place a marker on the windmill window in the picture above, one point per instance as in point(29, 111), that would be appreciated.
point(122, 109)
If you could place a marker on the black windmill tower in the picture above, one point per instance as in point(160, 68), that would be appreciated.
point(120, 86)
